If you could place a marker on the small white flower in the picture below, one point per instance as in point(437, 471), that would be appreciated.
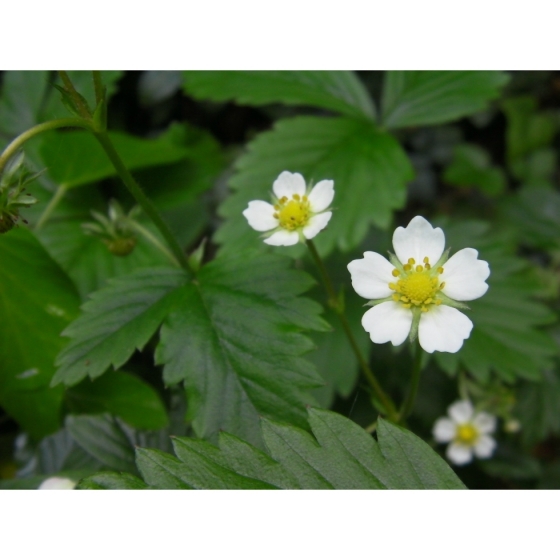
point(414, 294)
point(297, 214)
point(468, 432)
point(57, 483)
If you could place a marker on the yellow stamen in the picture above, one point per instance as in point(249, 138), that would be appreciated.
point(407, 267)
point(442, 285)
point(426, 260)
point(419, 268)
point(467, 434)
point(440, 270)
point(411, 261)
point(395, 273)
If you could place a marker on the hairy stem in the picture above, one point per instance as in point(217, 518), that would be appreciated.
point(408, 404)
point(334, 304)
point(49, 209)
point(145, 203)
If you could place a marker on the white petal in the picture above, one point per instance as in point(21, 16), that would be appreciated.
point(316, 224)
point(289, 184)
point(57, 483)
point(484, 447)
point(459, 454)
point(371, 276)
point(461, 411)
point(444, 430)
point(443, 328)
point(283, 237)
point(388, 321)
point(485, 423)
point(418, 240)
point(260, 215)
point(464, 276)
point(321, 195)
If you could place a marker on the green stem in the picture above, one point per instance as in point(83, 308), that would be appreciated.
point(149, 236)
point(53, 203)
point(20, 140)
point(334, 304)
point(145, 203)
point(408, 404)
point(98, 86)
point(79, 102)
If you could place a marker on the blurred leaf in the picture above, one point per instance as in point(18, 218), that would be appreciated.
point(537, 408)
point(369, 168)
point(528, 132)
point(123, 395)
point(37, 302)
point(234, 339)
point(339, 91)
point(551, 477)
point(510, 463)
point(505, 338)
point(112, 481)
point(75, 158)
point(116, 321)
point(419, 98)
point(533, 214)
point(103, 437)
point(471, 167)
point(342, 456)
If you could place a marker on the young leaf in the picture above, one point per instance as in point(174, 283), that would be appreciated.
point(112, 481)
point(369, 168)
point(116, 321)
point(342, 456)
point(123, 395)
point(38, 301)
point(339, 91)
point(235, 341)
point(419, 98)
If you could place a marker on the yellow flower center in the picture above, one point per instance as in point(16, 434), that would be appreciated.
point(293, 213)
point(417, 285)
point(467, 434)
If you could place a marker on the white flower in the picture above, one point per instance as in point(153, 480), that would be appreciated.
point(467, 432)
point(415, 294)
point(297, 213)
point(57, 483)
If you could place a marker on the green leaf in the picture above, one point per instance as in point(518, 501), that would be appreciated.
point(339, 91)
point(528, 133)
point(537, 408)
point(533, 213)
point(419, 98)
point(75, 158)
point(104, 438)
point(235, 341)
point(342, 456)
point(111, 481)
point(37, 303)
point(369, 168)
point(116, 321)
point(123, 395)
point(471, 167)
point(505, 338)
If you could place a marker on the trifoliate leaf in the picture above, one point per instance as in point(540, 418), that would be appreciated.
point(339, 91)
point(116, 321)
point(235, 340)
point(38, 301)
point(123, 395)
point(341, 455)
point(369, 168)
point(505, 338)
point(418, 98)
